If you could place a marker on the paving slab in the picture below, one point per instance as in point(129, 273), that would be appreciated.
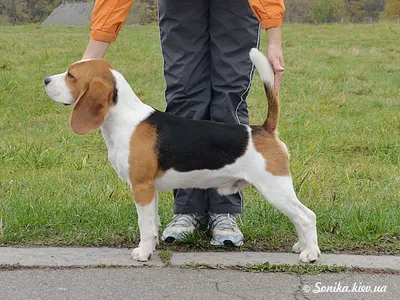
point(92, 257)
point(244, 258)
point(71, 257)
point(178, 283)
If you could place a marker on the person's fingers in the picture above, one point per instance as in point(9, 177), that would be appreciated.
point(277, 65)
point(274, 55)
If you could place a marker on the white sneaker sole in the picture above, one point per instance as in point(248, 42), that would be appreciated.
point(227, 243)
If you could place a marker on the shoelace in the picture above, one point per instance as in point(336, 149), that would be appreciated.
point(183, 219)
point(224, 221)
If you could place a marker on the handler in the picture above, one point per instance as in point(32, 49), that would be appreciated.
point(205, 45)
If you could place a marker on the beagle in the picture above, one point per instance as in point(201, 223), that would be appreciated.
point(154, 151)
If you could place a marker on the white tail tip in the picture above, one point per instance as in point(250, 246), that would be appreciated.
point(263, 66)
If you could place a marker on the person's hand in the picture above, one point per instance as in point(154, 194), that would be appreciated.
point(274, 55)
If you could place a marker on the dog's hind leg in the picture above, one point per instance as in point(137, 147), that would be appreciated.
point(146, 202)
point(279, 191)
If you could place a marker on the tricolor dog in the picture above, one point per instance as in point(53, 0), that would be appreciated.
point(154, 151)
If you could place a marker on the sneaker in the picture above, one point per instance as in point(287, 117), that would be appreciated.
point(225, 230)
point(181, 225)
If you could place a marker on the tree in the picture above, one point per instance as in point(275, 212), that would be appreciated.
point(374, 8)
point(392, 9)
point(299, 11)
point(143, 12)
point(364, 10)
point(328, 11)
point(27, 11)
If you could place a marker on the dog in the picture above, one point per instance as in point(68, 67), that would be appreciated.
point(155, 151)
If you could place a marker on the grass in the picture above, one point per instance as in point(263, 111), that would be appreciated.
point(340, 119)
point(165, 256)
point(266, 267)
point(299, 269)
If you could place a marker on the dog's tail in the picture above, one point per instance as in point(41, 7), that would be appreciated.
point(267, 76)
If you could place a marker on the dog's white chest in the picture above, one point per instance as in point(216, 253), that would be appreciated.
point(119, 159)
point(117, 131)
point(118, 153)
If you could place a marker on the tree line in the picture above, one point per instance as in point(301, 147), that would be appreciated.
point(334, 11)
point(15, 12)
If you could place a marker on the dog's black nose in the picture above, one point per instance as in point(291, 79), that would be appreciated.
point(47, 80)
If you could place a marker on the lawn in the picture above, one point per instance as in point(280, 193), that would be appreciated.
point(340, 104)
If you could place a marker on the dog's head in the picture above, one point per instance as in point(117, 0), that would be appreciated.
point(91, 87)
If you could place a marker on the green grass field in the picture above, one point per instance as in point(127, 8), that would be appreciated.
point(340, 102)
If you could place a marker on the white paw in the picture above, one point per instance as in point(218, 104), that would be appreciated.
point(141, 254)
point(298, 247)
point(310, 255)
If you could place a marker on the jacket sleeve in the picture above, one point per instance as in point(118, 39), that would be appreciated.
point(108, 18)
point(270, 13)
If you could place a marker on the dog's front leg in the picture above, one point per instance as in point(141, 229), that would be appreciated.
point(146, 201)
point(158, 222)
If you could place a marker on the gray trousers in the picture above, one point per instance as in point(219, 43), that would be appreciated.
point(205, 45)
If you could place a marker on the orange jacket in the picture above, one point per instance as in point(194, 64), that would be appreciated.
point(109, 16)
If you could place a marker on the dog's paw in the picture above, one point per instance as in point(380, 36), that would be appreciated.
point(310, 255)
point(140, 254)
point(298, 247)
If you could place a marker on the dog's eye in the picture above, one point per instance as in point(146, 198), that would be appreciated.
point(70, 75)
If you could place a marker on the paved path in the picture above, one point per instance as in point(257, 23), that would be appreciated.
point(62, 257)
point(53, 277)
point(176, 283)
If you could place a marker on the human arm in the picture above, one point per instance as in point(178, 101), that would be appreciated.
point(95, 49)
point(275, 56)
point(270, 13)
point(107, 19)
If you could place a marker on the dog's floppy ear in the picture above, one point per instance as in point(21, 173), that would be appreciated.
point(91, 108)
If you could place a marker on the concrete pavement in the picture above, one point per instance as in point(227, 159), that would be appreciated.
point(108, 273)
point(92, 257)
point(177, 283)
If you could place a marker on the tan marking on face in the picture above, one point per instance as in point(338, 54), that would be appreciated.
point(143, 163)
point(86, 71)
point(92, 85)
point(274, 152)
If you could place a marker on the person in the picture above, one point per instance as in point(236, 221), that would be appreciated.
point(205, 46)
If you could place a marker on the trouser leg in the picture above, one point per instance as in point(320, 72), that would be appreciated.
point(185, 47)
point(234, 30)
